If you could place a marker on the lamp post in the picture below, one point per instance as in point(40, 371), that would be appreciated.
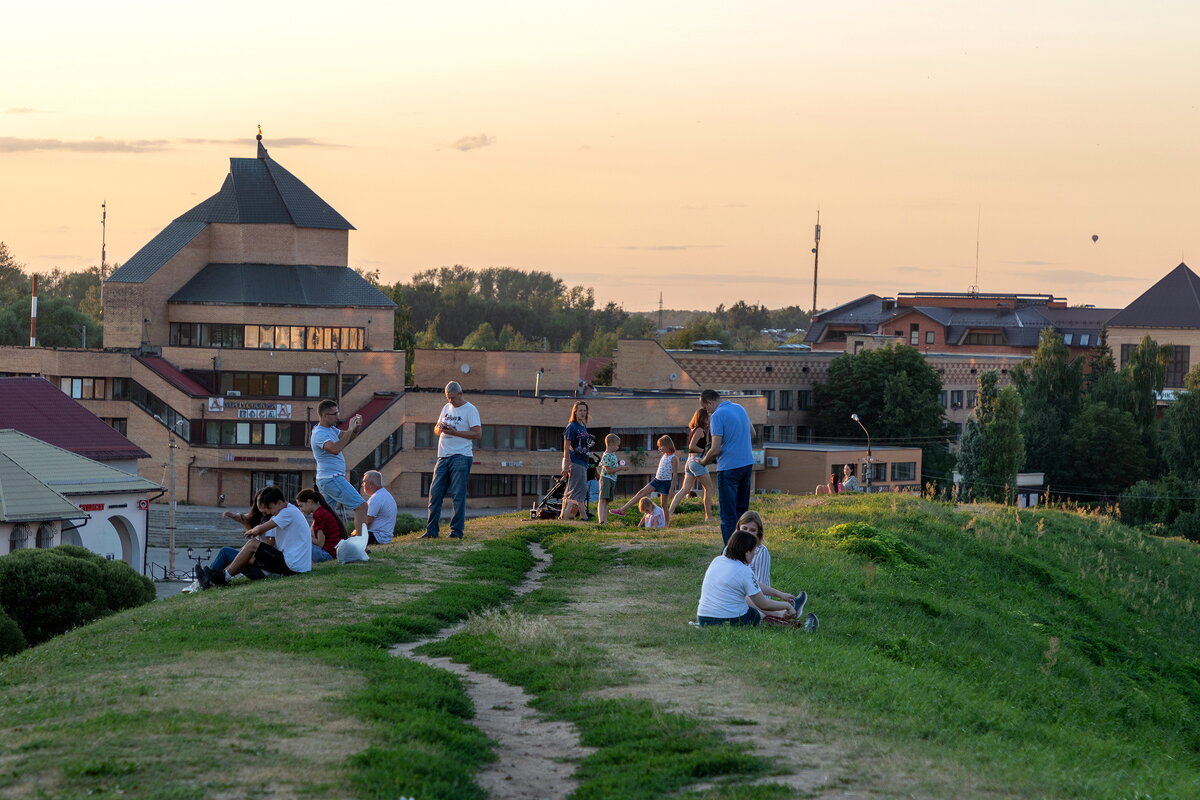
point(870, 469)
point(172, 445)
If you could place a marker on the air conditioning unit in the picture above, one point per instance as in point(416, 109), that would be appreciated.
point(233, 393)
point(772, 461)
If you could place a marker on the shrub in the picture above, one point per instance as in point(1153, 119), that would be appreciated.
point(864, 539)
point(407, 523)
point(1187, 525)
point(1137, 503)
point(11, 639)
point(48, 592)
point(1160, 501)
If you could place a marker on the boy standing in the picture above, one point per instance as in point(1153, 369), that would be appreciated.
point(609, 467)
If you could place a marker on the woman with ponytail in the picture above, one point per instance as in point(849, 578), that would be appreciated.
point(327, 528)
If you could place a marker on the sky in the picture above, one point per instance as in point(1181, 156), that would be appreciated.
point(681, 148)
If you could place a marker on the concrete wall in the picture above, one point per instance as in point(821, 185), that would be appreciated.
point(492, 370)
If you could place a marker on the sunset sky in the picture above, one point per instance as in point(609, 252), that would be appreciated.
point(681, 147)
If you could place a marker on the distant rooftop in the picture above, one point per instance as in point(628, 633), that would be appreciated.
point(40, 409)
point(281, 285)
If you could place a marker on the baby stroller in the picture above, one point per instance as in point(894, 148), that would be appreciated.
point(549, 505)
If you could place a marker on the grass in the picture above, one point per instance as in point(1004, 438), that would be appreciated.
point(964, 652)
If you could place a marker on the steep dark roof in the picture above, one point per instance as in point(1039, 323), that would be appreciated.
point(280, 285)
point(1173, 302)
point(257, 191)
point(166, 370)
point(40, 409)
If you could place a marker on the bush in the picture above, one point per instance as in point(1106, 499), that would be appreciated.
point(864, 539)
point(1187, 525)
point(407, 523)
point(12, 641)
point(1160, 501)
point(48, 592)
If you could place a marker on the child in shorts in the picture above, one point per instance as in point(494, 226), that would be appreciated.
point(610, 465)
point(661, 483)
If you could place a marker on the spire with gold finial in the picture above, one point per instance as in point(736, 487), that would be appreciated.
point(262, 151)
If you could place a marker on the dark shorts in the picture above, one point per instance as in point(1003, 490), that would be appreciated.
point(608, 489)
point(752, 617)
point(661, 486)
point(269, 558)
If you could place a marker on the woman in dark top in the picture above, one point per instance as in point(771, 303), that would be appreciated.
point(577, 444)
point(693, 471)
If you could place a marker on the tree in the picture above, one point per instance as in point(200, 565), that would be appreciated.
point(482, 338)
point(14, 283)
point(59, 325)
point(74, 287)
point(1105, 449)
point(1051, 386)
point(604, 375)
point(1181, 433)
point(1135, 388)
point(429, 339)
point(896, 410)
point(1003, 447)
point(971, 446)
point(602, 345)
point(574, 344)
point(702, 328)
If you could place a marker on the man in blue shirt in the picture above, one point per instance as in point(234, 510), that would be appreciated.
point(729, 429)
point(327, 444)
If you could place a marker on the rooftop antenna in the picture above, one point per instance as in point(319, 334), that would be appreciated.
point(816, 251)
point(660, 311)
point(974, 289)
point(103, 249)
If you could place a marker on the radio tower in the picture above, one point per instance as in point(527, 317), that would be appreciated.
point(103, 249)
point(816, 251)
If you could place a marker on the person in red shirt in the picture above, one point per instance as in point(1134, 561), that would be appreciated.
point(327, 528)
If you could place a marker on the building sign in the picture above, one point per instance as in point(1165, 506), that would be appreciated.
point(91, 506)
point(251, 409)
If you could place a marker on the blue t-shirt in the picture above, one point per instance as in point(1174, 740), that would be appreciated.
point(581, 442)
point(731, 422)
point(328, 464)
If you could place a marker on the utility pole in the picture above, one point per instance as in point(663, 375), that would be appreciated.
point(660, 311)
point(816, 251)
point(103, 250)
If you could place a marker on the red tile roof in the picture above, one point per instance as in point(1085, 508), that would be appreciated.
point(167, 371)
point(40, 409)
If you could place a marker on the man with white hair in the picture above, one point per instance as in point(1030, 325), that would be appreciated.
point(381, 509)
point(457, 427)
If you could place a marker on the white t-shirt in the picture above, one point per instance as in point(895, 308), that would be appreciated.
point(666, 466)
point(760, 565)
point(462, 418)
point(654, 518)
point(382, 506)
point(293, 538)
point(727, 584)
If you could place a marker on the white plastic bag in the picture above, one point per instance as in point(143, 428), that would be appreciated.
point(352, 549)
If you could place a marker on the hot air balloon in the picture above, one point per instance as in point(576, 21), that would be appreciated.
point(1095, 238)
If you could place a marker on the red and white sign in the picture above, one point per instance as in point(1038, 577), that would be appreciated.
point(143, 505)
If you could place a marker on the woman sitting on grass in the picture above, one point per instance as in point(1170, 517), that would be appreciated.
point(760, 565)
point(729, 582)
point(327, 528)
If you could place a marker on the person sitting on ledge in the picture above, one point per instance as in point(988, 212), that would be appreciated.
point(284, 549)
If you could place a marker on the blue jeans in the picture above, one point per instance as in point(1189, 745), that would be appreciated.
point(733, 493)
point(320, 555)
point(752, 617)
point(225, 557)
point(451, 474)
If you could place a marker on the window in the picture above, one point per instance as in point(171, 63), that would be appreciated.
point(544, 437)
point(20, 537)
point(787, 433)
point(45, 536)
point(972, 398)
point(1177, 367)
point(914, 333)
point(1084, 339)
point(834, 336)
point(84, 388)
point(266, 337)
point(930, 337)
point(942, 399)
point(1067, 338)
point(878, 473)
point(804, 399)
point(287, 482)
point(956, 398)
point(423, 436)
point(785, 400)
point(152, 405)
point(271, 384)
point(382, 454)
point(216, 432)
point(985, 338)
point(505, 437)
point(768, 433)
point(904, 471)
point(119, 424)
point(480, 485)
point(770, 395)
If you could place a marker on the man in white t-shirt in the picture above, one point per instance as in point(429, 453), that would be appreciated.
point(457, 427)
point(381, 509)
point(285, 546)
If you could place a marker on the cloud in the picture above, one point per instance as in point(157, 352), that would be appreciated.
point(21, 110)
point(1078, 276)
point(671, 247)
point(914, 269)
point(284, 141)
point(657, 279)
point(474, 142)
point(9, 144)
point(1030, 263)
point(710, 207)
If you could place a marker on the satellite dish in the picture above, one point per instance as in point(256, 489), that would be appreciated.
point(466, 368)
point(674, 376)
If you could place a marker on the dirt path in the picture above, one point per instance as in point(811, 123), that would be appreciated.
point(535, 757)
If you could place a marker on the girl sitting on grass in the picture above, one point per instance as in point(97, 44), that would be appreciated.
point(652, 515)
point(660, 484)
point(760, 565)
point(327, 528)
point(728, 584)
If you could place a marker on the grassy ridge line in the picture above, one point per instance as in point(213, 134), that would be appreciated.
point(415, 717)
point(641, 750)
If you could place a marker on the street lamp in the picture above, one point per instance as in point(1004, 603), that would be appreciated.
point(870, 469)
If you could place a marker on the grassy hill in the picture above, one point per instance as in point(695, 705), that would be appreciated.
point(964, 652)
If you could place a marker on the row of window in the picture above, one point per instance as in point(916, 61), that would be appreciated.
point(801, 399)
point(266, 337)
point(1177, 367)
point(274, 384)
point(786, 433)
point(954, 398)
point(264, 434)
point(23, 536)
